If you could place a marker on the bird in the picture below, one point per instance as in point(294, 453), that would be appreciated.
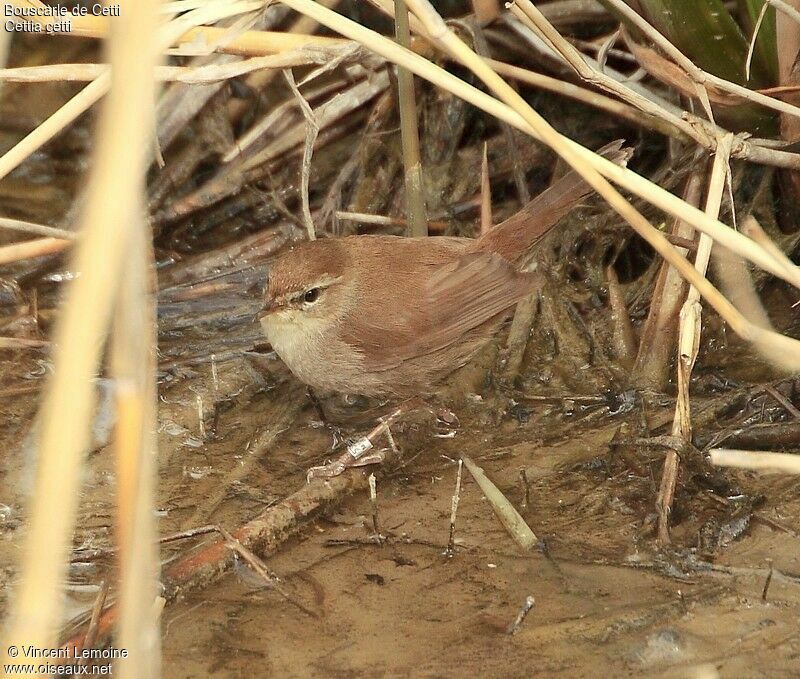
point(381, 315)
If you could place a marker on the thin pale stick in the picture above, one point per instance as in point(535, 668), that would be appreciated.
point(751, 48)
point(689, 344)
point(133, 367)
point(312, 131)
point(38, 229)
point(511, 519)
point(756, 460)
point(210, 73)
point(32, 248)
point(486, 193)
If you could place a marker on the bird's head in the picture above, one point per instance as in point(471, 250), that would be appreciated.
point(307, 285)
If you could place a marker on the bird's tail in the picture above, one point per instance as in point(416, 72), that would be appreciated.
point(514, 237)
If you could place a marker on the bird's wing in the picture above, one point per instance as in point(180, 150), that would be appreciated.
point(452, 299)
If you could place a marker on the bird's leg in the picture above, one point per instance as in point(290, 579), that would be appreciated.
point(336, 432)
point(312, 396)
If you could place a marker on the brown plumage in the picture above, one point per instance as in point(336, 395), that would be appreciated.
point(378, 315)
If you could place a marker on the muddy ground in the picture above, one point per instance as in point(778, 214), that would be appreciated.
point(607, 600)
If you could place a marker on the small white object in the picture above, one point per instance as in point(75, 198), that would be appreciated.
point(358, 448)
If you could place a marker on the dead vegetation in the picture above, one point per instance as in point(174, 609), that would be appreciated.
point(139, 397)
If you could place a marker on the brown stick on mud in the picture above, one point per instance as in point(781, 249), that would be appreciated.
point(262, 535)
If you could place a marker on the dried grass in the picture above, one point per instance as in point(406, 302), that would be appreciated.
point(115, 264)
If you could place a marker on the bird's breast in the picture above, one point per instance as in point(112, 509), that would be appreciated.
point(312, 351)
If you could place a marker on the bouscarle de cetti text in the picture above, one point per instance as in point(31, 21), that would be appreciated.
point(33, 11)
point(25, 17)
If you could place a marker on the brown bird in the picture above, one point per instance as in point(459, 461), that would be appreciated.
point(387, 315)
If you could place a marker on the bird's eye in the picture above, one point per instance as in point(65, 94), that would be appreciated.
point(311, 295)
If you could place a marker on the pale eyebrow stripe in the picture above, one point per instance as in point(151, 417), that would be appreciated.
point(323, 283)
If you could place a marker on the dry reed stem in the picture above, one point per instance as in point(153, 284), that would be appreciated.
point(689, 342)
point(589, 164)
point(409, 132)
point(32, 248)
point(133, 369)
point(54, 124)
point(622, 330)
point(486, 192)
point(114, 191)
point(651, 368)
point(792, 12)
point(590, 98)
point(531, 17)
point(788, 463)
point(22, 343)
point(368, 218)
point(197, 75)
point(518, 335)
point(94, 620)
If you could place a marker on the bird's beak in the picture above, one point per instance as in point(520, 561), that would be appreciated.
point(269, 307)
